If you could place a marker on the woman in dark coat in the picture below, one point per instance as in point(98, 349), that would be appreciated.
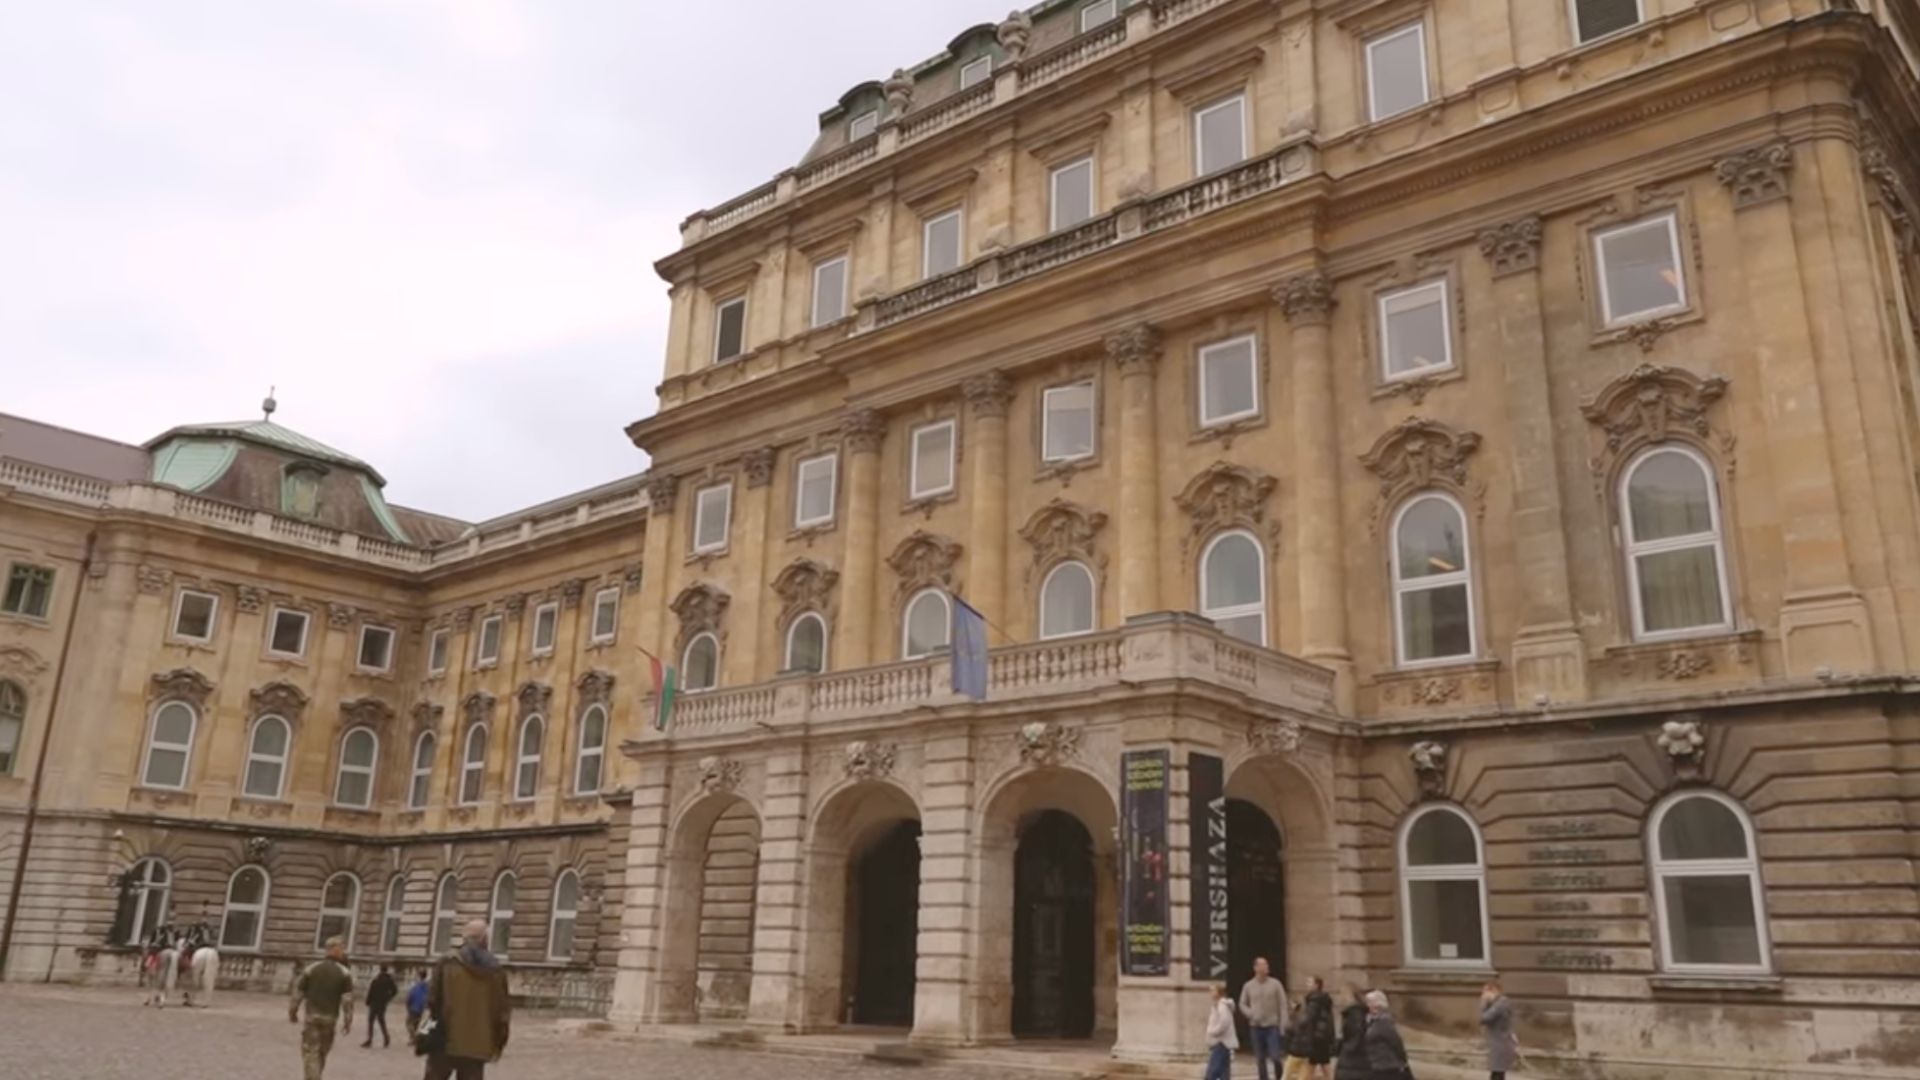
point(1319, 1025)
point(1386, 1054)
point(1352, 1064)
point(1496, 1015)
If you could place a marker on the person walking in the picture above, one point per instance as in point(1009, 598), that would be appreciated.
point(1386, 1054)
point(380, 993)
point(1222, 1041)
point(1496, 1016)
point(416, 1004)
point(326, 988)
point(468, 996)
point(1299, 1042)
point(1320, 1026)
point(1352, 1063)
point(1263, 1000)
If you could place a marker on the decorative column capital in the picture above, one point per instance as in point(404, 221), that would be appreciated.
point(988, 394)
point(758, 467)
point(1135, 349)
point(662, 488)
point(863, 429)
point(1306, 299)
point(1757, 174)
point(1512, 247)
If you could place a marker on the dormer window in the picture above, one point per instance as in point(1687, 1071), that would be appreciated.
point(1098, 14)
point(975, 72)
point(863, 125)
point(300, 491)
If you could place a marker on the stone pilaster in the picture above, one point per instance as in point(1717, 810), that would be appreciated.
point(777, 1000)
point(853, 635)
point(749, 544)
point(1136, 354)
point(987, 397)
point(1307, 302)
point(942, 1007)
point(662, 493)
point(639, 984)
point(1549, 658)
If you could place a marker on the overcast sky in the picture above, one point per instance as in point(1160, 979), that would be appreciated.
point(430, 223)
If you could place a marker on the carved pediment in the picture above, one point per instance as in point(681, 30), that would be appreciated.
point(701, 608)
point(533, 697)
point(183, 684)
point(477, 707)
point(1417, 454)
point(1062, 530)
point(925, 559)
point(1226, 496)
point(805, 585)
point(20, 662)
point(370, 711)
point(1652, 404)
point(426, 715)
point(279, 698)
point(595, 688)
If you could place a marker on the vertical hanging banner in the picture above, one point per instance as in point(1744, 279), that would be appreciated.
point(1145, 906)
point(1207, 858)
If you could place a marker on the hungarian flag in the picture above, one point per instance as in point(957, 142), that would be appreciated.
point(665, 687)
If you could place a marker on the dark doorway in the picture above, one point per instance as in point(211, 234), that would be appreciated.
point(1053, 929)
point(1256, 897)
point(883, 919)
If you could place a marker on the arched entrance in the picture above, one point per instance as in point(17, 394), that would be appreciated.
point(1053, 889)
point(860, 951)
point(706, 951)
point(1281, 872)
point(883, 912)
point(1256, 896)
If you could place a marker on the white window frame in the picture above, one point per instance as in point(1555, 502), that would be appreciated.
point(570, 915)
point(1053, 190)
point(6, 585)
point(273, 624)
point(959, 216)
point(719, 321)
point(351, 913)
point(914, 491)
point(854, 134)
point(1386, 340)
point(258, 910)
point(370, 770)
point(846, 281)
point(470, 766)
point(1237, 611)
point(1093, 589)
point(700, 518)
point(794, 628)
point(419, 776)
point(1635, 549)
point(521, 759)
point(1200, 367)
point(1112, 12)
point(1237, 98)
point(446, 913)
point(360, 650)
point(213, 615)
point(1403, 585)
point(1046, 421)
point(481, 657)
point(598, 752)
point(550, 614)
point(1418, 27)
point(497, 914)
point(973, 65)
point(800, 520)
point(185, 749)
point(254, 755)
point(439, 646)
point(688, 688)
point(1671, 220)
point(142, 874)
point(906, 623)
point(393, 915)
point(608, 597)
point(1475, 872)
point(1573, 22)
point(1662, 868)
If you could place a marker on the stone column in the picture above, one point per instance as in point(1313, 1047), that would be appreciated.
point(1307, 301)
point(1136, 355)
point(750, 547)
point(662, 491)
point(860, 563)
point(987, 397)
point(1823, 618)
point(776, 1001)
point(639, 985)
point(941, 1004)
point(1549, 658)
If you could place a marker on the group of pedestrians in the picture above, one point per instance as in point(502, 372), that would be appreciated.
point(457, 1016)
point(1297, 1037)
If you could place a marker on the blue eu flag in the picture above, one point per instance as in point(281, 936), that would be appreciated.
point(969, 651)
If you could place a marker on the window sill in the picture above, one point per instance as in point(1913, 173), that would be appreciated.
point(1442, 976)
point(1718, 984)
point(1225, 431)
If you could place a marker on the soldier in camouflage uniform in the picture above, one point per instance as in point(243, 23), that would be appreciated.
point(326, 986)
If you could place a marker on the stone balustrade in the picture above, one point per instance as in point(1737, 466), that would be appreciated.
point(1073, 54)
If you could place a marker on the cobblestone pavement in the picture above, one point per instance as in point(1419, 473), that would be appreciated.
point(69, 1033)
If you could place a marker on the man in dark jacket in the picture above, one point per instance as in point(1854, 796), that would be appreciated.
point(380, 993)
point(469, 995)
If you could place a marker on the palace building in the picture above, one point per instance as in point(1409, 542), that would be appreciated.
point(1440, 478)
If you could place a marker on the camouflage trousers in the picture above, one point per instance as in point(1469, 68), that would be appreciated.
point(316, 1042)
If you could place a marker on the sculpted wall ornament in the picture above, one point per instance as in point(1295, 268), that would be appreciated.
point(533, 697)
point(1512, 247)
point(463, 618)
point(1306, 299)
point(1417, 454)
point(1226, 496)
point(899, 91)
point(633, 577)
point(153, 579)
point(182, 684)
point(988, 394)
point(248, 599)
point(594, 688)
point(701, 608)
point(870, 760)
point(1063, 530)
point(1429, 767)
point(720, 774)
point(477, 707)
point(1684, 740)
point(280, 698)
point(805, 585)
point(1685, 664)
point(1879, 168)
point(758, 467)
point(862, 430)
point(1275, 738)
point(20, 662)
point(1044, 742)
point(370, 711)
point(258, 848)
point(1649, 405)
point(662, 489)
point(571, 591)
point(1756, 175)
point(1137, 348)
point(339, 616)
point(426, 715)
point(1015, 33)
point(924, 559)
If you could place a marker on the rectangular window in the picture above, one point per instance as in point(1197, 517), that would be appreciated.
point(1640, 271)
point(1397, 71)
point(932, 465)
point(606, 615)
point(486, 650)
point(1229, 382)
point(863, 125)
point(376, 648)
point(546, 619)
point(29, 591)
point(193, 614)
point(437, 652)
point(1072, 193)
point(1594, 19)
point(1067, 422)
point(1220, 135)
point(1098, 14)
point(287, 635)
point(830, 291)
point(712, 516)
point(940, 244)
point(729, 329)
point(1415, 335)
point(813, 494)
point(975, 72)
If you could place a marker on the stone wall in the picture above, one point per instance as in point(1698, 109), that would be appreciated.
point(726, 914)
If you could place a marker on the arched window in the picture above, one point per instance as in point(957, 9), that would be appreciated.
point(1676, 568)
point(1066, 601)
point(13, 721)
point(593, 750)
point(928, 625)
point(420, 783)
point(393, 913)
point(1443, 882)
point(500, 919)
point(446, 913)
point(359, 753)
point(246, 911)
point(148, 885)
point(566, 913)
point(339, 905)
point(473, 768)
point(169, 746)
point(700, 664)
point(807, 644)
point(526, 767)
point(1233, 586)
point(267, 758)
point(1432, 583)
point(1707, 886)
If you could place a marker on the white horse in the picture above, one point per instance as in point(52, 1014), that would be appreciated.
point(203, 968)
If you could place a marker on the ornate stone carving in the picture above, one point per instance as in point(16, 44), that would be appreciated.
point(279, 698)
point(463, 618)
point(339, 616)
point(258, 848)
point(426, 715)
point(248, 599)
point(153, 579)
point(1015, 33)
point(1225, 496)
point(662, 489)
point(1282, 737)
point(924, 559)
point(1647, 334)
point(571, 591)
point(1062, 530)
point(633, 577)
point(1650, 404)
point(1305, 299)
point(516, 604)
point(805, 585)
point(862, 430)
point(988, 394)
point(1414, 389)
point(870, 760)
point(477, 707)
point(1044, 742)
point(370, 711)
point(1512, 247)
point(899, 91)
point(720, 774)
point(594, 688)
point(701, 608)
point(1429, 766)
point(1417, 454)
point(20, 662)
point(1137, 348)
point(1684, 740)
point(1434, 691)
point(533, 697)
point(1683, 664)
point(758, 467)
point(1756, 175)
point(180, 684)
